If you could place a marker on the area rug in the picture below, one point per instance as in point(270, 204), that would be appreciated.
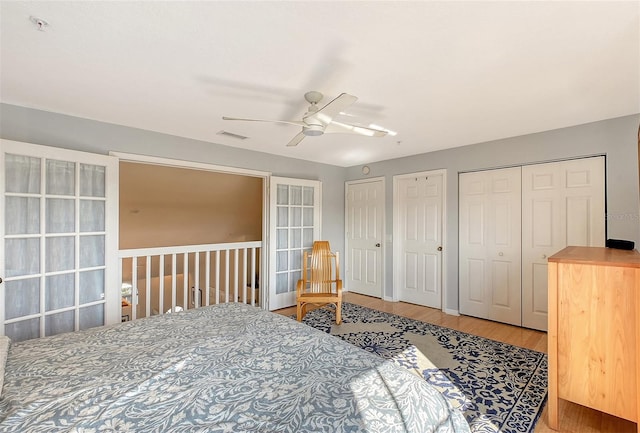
point(499, 387)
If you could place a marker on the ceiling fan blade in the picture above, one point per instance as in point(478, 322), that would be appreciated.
point(332, 109)
point(346, 128)
point(297, 139)
point(289, 122)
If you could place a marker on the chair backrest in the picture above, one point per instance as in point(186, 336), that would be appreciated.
point(324, 268)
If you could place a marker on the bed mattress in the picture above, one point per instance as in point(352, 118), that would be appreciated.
point(224, 368)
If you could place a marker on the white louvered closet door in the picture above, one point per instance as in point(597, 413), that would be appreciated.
point(58, 240)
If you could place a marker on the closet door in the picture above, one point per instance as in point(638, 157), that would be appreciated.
point(294, 220)
point(490, 247)
point(418, 215)
point(563, 203)
point(58, 239)
point(364, 219)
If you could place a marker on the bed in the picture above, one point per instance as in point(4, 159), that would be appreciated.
point(225, 368)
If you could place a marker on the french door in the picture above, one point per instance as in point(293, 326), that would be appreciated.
point(294, 224)
point(58, 244)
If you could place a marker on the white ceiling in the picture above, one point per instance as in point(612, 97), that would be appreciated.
point(441, 74)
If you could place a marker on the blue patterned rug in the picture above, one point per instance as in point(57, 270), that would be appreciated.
point(499, 387)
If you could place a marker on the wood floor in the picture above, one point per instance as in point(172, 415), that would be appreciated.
point(573, 418)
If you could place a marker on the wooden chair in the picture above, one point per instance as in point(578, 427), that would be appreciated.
point(320, 283)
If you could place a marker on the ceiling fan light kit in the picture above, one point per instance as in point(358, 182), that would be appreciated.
point(318, 121)
point(313, 130)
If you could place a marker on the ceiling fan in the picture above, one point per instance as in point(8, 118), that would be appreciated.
point(318, 121)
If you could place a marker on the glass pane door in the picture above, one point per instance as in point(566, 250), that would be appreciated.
point(294, 225)
point(56, 246)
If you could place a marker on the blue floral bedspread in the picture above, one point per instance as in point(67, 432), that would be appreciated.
point(225, 368)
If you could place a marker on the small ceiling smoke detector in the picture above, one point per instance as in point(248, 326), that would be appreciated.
point(39, 22)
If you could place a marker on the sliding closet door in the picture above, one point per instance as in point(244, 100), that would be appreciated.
point(563, 203)
point(58, 240)
point(489, 257)
point(294, 220)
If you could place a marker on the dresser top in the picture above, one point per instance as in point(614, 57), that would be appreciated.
point(597, 256)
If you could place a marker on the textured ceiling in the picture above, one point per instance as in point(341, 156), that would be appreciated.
point(441, 74)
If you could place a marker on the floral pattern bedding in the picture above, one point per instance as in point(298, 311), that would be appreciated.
point(225, 368)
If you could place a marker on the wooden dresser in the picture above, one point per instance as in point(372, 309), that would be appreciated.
point(594, 331)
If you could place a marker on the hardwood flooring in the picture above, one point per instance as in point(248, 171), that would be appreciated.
point(573, 418)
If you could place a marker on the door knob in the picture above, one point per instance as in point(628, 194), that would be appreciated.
point(440, 248)
point(378, 245)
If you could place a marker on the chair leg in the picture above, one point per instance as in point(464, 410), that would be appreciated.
point(299, 312)
point(338, 313)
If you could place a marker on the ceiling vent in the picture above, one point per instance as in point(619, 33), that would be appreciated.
point(231, 135)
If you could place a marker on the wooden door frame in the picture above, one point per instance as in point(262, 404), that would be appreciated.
point(396, 234)
point(346, 265)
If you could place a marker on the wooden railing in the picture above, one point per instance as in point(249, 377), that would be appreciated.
point(161, 280)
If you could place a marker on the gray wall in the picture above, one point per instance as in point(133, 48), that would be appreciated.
point(615, 138)
point(52, 129)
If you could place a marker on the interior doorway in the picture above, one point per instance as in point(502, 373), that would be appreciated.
point(168, 204)
point(163, 206)
point(364, 208)
point(419, 221)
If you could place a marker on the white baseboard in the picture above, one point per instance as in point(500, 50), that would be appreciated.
point(451, 312)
